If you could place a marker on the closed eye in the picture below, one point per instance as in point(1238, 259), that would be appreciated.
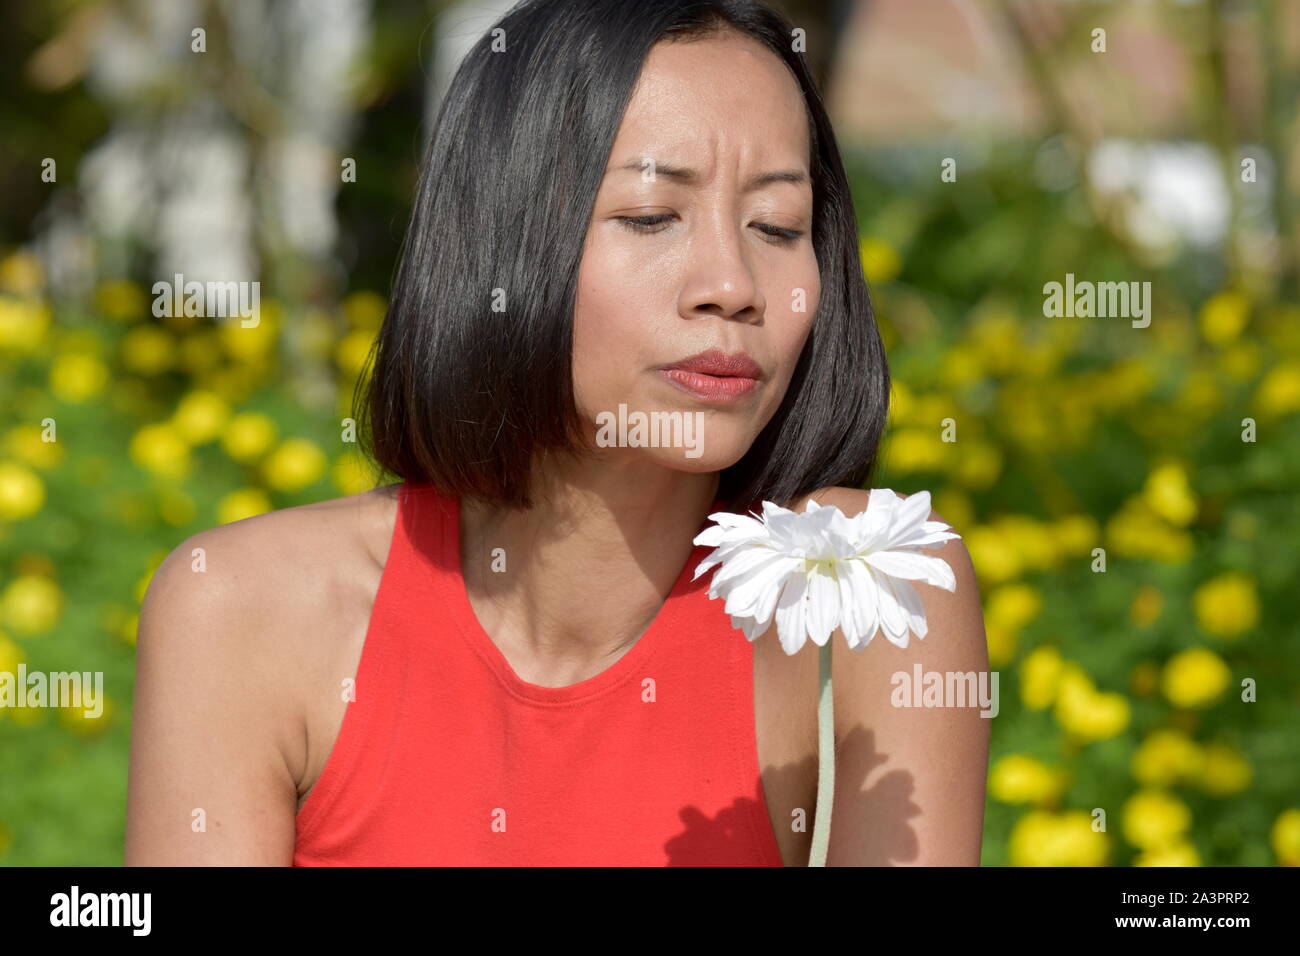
point(774, 234)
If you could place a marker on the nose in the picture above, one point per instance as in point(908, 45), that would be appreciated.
point(720, 280)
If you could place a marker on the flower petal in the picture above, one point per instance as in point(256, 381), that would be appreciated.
point(790, 623)
point(859, 617)
point(758, 593)
point(823, 610)
point(893, 618)
point(912, 605)
point(914, 567)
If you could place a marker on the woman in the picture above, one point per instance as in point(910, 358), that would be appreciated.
point(626, 209)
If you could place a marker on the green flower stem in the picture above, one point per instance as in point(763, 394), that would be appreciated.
point(825, 763)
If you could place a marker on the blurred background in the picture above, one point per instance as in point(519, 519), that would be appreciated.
point(993, 148)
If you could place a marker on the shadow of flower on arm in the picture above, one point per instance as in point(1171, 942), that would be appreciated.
point(729, 835)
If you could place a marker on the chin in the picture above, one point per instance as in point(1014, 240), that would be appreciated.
point(686, 439)
point(711, 454)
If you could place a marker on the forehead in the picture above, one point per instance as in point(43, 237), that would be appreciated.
point(727, 88)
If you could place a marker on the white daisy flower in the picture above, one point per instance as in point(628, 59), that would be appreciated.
point(820, 570)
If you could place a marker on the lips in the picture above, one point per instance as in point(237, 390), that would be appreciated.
point(714, 376)
point(719, 364)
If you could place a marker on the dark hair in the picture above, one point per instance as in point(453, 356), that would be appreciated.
point(465, 397)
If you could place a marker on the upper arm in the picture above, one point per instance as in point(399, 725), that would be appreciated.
point(910, 781)
point(208, 780)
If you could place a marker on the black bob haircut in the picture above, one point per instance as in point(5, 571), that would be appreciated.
point(468, 398)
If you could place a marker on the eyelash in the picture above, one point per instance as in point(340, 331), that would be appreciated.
point(774, 234)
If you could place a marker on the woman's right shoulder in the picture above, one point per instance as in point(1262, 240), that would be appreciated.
point(281, 571)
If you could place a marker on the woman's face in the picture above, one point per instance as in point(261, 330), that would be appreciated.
point(700, 240)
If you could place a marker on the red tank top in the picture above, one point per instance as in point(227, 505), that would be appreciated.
point(447, 758)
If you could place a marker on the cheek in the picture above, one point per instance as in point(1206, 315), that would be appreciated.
point(794, 332)
point(605, 328)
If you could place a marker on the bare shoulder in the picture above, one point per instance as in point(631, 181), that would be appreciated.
point(238, 623)
point(274, 565)
point(910, 781)
point(277, 595)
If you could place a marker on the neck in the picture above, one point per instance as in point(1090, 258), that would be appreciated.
point(587, 569)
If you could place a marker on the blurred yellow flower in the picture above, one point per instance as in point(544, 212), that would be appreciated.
point(351, 475)
point(236, 383)
point(1076, 534)
point(253, 343)
point(365, 309)
point(1178, 853)
point(901, 402)
point(22, 274)
point(978, 464)
point(200, 416)
point(1153, 818)
point(1040, 838)
point(1028, 423)
point(31, 604)
point(1001, 642)
point(242, 504)
point(960, 366)
point(1227, 606)
point(1040, 675)
point(1285, 837)
point(11, 655)
point(22, 493)
point(1041, 360)
point(1121, 385)
point(1032, 539)
point(1169, 495)
point(148, 350)
point(353, 351)
point(1146, 607)
point(247, 436)
point(1225, 771)
point(1241, 361)
point(293, 465)
point(917, 449)
point(23, 324)
point(996, 339)
point(1223, 316)
point(76, 720)
point(880, 261)
point(1136, 531)
point(24, 442)
point(176, 507)
point(1085, 713)
point(162, 450)
point(1196, 677)
point(1278, 394)
point(992, 554)
point(121, 300)
point(1200, 395)
point(76, 378)
point(1166, 757)
point(1019, 778)
point(1014, 605)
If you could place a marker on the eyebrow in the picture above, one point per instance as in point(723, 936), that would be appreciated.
point(689, 177)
